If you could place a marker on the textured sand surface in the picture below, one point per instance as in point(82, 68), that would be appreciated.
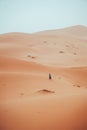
point(29, 100)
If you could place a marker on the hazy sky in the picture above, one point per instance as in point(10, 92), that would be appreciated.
point(35, 15)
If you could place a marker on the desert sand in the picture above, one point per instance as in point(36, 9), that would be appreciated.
point(29, 100)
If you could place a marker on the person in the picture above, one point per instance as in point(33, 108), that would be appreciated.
point(50, 76)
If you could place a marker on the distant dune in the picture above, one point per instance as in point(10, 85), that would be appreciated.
point(29, 100)
point(75, 31)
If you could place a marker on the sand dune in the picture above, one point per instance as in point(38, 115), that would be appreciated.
point(15, 65)
point(58, 50)
point(29, 100)
point(75, 31)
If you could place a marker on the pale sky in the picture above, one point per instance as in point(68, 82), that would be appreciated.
point(36, 15)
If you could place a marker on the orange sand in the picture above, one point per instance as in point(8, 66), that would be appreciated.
point(28, 99)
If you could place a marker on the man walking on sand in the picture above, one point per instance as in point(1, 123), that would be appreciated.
point(50, 76)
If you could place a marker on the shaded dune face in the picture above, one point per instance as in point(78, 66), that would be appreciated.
point(29, 100)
